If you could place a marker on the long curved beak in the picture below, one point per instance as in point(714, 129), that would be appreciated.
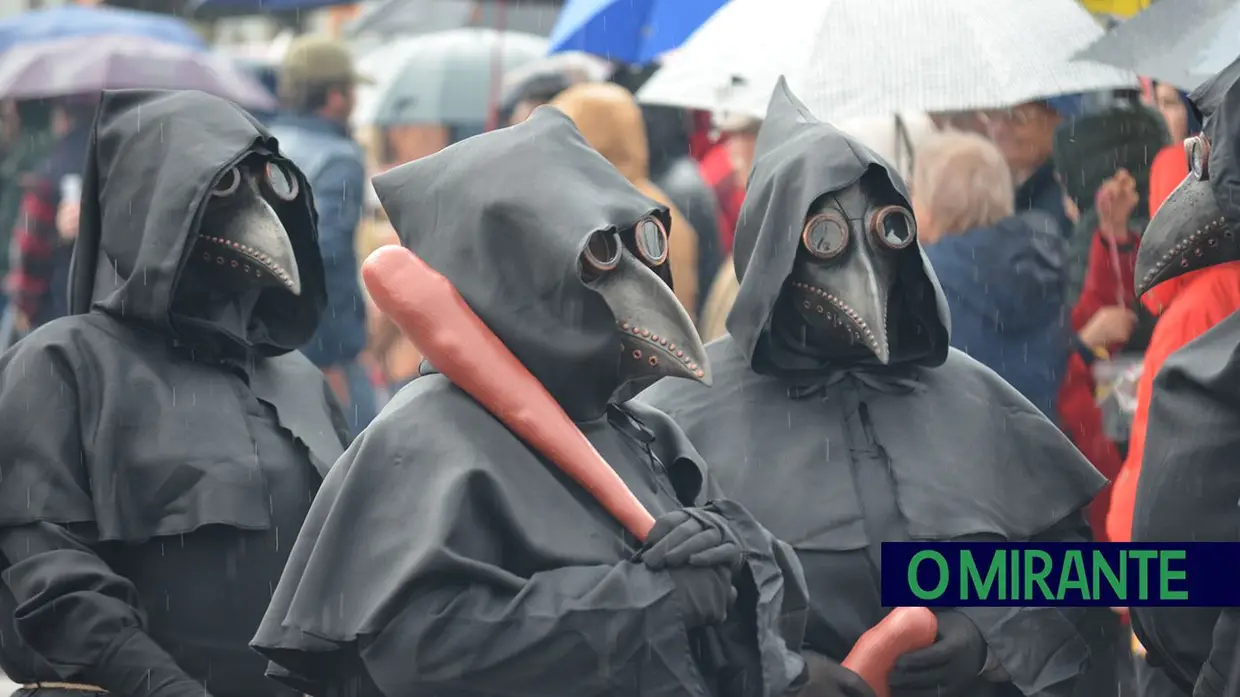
point(1188, 233)
point(659, 338)
point(260, 229)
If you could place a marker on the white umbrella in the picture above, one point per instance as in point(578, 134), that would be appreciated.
point(857, 58)
point(444, 77)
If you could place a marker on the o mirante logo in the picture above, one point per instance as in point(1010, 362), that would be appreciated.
point(945, 574)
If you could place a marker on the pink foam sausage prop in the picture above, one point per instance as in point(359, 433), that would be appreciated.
point(429, 311)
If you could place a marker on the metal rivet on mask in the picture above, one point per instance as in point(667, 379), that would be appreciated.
point(637, 354)
point(645, 333)
point(693, 366)
point(206, 256)
point(624, 326)
point(654, 337)
point(821, 309)
point(680, 354)
point(700, 374)
point(219, 260)
point(662, 342)
point(671, 347)
point(653, 360)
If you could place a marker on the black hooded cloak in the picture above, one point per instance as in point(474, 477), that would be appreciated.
point(442, 555)
point(1189, 487)
point(154, 470)
point(835, 460)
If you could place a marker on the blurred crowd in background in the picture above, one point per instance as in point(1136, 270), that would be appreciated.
point(1031, 211)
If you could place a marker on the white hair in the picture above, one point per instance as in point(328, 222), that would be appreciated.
point(963, 182)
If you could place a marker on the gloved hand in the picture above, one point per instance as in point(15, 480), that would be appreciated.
point(691, 537)
point(946, 668)
point(830, 679)
point(699, 551)
point(704, 594)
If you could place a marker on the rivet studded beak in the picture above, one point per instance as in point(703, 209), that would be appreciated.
point(658, 339)
point(1188, 233)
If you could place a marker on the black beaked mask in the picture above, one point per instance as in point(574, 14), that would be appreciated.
point(1189, 231)
point(657, 338)
point(846, 268)
point(241, 236)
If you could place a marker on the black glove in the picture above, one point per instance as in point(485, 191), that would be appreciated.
point(946, 668)
point(830, 679)
point(691, 537)
point(703, 593)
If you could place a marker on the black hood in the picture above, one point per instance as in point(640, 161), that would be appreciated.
point(799, 159)
point(154, 158)
point(505, 216)
point(1199, 223)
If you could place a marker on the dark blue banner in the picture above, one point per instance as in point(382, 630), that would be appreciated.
point(963, 574)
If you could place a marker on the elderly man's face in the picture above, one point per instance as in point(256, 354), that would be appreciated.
point(1025, 134)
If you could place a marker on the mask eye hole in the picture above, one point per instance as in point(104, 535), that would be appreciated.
point(228, 185)
point(825, 235)
point(651, 241)
point(281, 182)
point(893, 227)
point(601, 254)
point(1198, 150)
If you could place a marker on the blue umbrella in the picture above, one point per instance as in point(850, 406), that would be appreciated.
point(70, 21)
point(629, 31)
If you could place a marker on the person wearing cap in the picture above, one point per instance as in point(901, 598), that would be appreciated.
point(316, 90)
point(1025, 134)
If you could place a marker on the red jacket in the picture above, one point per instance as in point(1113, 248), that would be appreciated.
point(716, 168)
point(1105, 285)
point(1187, 307)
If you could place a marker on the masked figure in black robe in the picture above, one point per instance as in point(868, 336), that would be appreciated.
point(841, 418)
point(1190, 483)
point(445, 557)
point(159, 447)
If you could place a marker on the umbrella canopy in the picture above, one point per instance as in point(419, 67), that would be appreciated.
point(446, 77)
point(1166, 41)
point(414, 17)
point(858, 58)
point(70, 21)
point(258, 6)
point(629, 31)
point(86, 65)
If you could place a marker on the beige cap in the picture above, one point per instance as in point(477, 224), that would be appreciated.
point(318, 59)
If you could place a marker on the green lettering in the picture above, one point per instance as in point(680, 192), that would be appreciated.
point(1143, 557)
point(1166, 575)
point(971, 578)
point(1014, 586)
point(1102, 567)
point(1073, 576)
point(1037, 577)
point(912, 574)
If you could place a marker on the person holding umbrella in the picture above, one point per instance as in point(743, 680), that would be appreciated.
point(316, 89)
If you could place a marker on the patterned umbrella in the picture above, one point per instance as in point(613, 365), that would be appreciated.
point(85, 65)
point(857, 58)
point(70, 21)
point(1166, 41)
